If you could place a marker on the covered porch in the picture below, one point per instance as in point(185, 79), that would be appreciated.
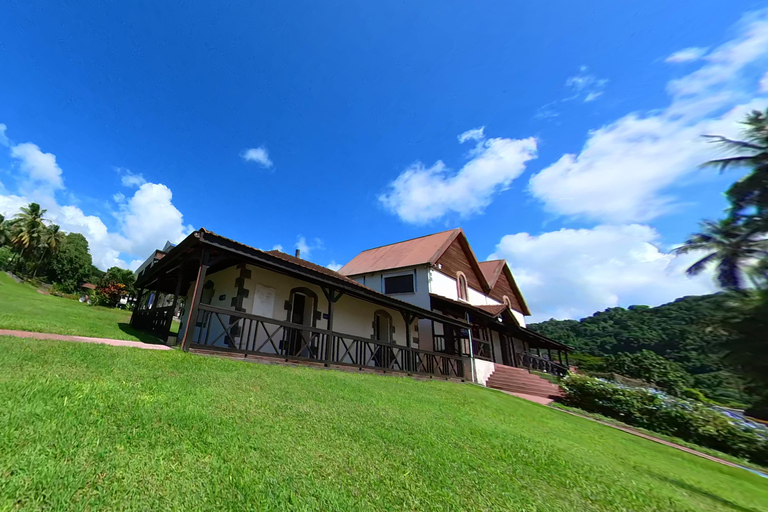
point(328, 319)
point(495, 336)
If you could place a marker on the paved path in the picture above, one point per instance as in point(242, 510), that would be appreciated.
point(62, 337)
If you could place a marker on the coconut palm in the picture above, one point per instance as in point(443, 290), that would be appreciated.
point(751, 191)
point(29, 228)
point(733, 245)
point(5, 235)
point(51, 241)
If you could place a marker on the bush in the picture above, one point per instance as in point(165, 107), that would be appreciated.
point(650, 367)
point(656, 411)
point(5, 258)
point(695, 394)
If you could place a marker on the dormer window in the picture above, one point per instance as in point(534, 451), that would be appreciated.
point(461, 285)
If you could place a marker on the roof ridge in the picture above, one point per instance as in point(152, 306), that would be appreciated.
point(410, 239)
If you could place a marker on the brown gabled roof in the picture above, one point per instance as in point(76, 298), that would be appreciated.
point(491, 270)
point(494, 310)
point(417, 251)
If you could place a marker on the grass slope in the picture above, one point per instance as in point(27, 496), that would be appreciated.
point(95, 427)
point(23, 308)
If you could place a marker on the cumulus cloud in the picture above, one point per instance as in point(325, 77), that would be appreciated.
point(625, 168)
point(686, 55)
point(277, 247)
point(40, 170)
point(145, 221)
point(422, 194)
point(258, 155)
point(571, 273)
point(129, 179)
point(334, 266)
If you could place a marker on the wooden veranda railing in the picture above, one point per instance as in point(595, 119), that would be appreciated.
point(154, 320)
point(223, 329)
point(541, 364)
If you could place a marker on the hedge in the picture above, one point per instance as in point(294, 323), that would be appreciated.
point(656, 411)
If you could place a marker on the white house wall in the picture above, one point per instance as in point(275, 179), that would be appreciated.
point(445, 286)
point(351, 315)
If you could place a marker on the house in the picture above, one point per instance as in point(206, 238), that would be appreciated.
point(239, 299)
point(440, 272)
point(425, 306)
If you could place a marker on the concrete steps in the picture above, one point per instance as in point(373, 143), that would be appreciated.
point(518, 380)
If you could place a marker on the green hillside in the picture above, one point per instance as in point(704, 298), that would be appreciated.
point(687, 331)
point(92, 427)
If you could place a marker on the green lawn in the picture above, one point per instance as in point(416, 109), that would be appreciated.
point(89, 427)
point(23, 308)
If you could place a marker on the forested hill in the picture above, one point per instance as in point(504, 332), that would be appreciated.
point(686, 331)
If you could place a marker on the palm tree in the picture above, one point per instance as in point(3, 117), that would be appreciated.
point(5, 236)
point(51, 241)
point(733, 245)
point(751, 191)
point(27, 231)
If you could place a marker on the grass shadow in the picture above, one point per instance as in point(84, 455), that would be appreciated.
point(702, 492)
point(142, 336)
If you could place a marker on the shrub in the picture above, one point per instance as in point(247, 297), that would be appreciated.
point(5, 258)
point(650, 367)
point(656, 411)
point(695, 394)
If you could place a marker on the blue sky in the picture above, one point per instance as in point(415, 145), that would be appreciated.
point(337, 127)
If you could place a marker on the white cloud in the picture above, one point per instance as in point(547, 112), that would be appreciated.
point(3, 138)
point(764, 83)
point(258, 155)
point(42, 172)
point(277, 247)
point(145, 221)
point(571, 273)
point(334, 266)
point(306, 247)
point(624, 168)
point(422, 194)
point(129, 179)
point(149, 219)
point(687, 55)
point(473, 134)
point(118, 197)
point(585, 86)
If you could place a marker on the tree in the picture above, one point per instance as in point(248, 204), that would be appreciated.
point(749, 195)
point(71, 265)
point(734, 246)
point(51, 241)
point(27, 231)
point(117, 275)
point(650, 367)
point(5, 235)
